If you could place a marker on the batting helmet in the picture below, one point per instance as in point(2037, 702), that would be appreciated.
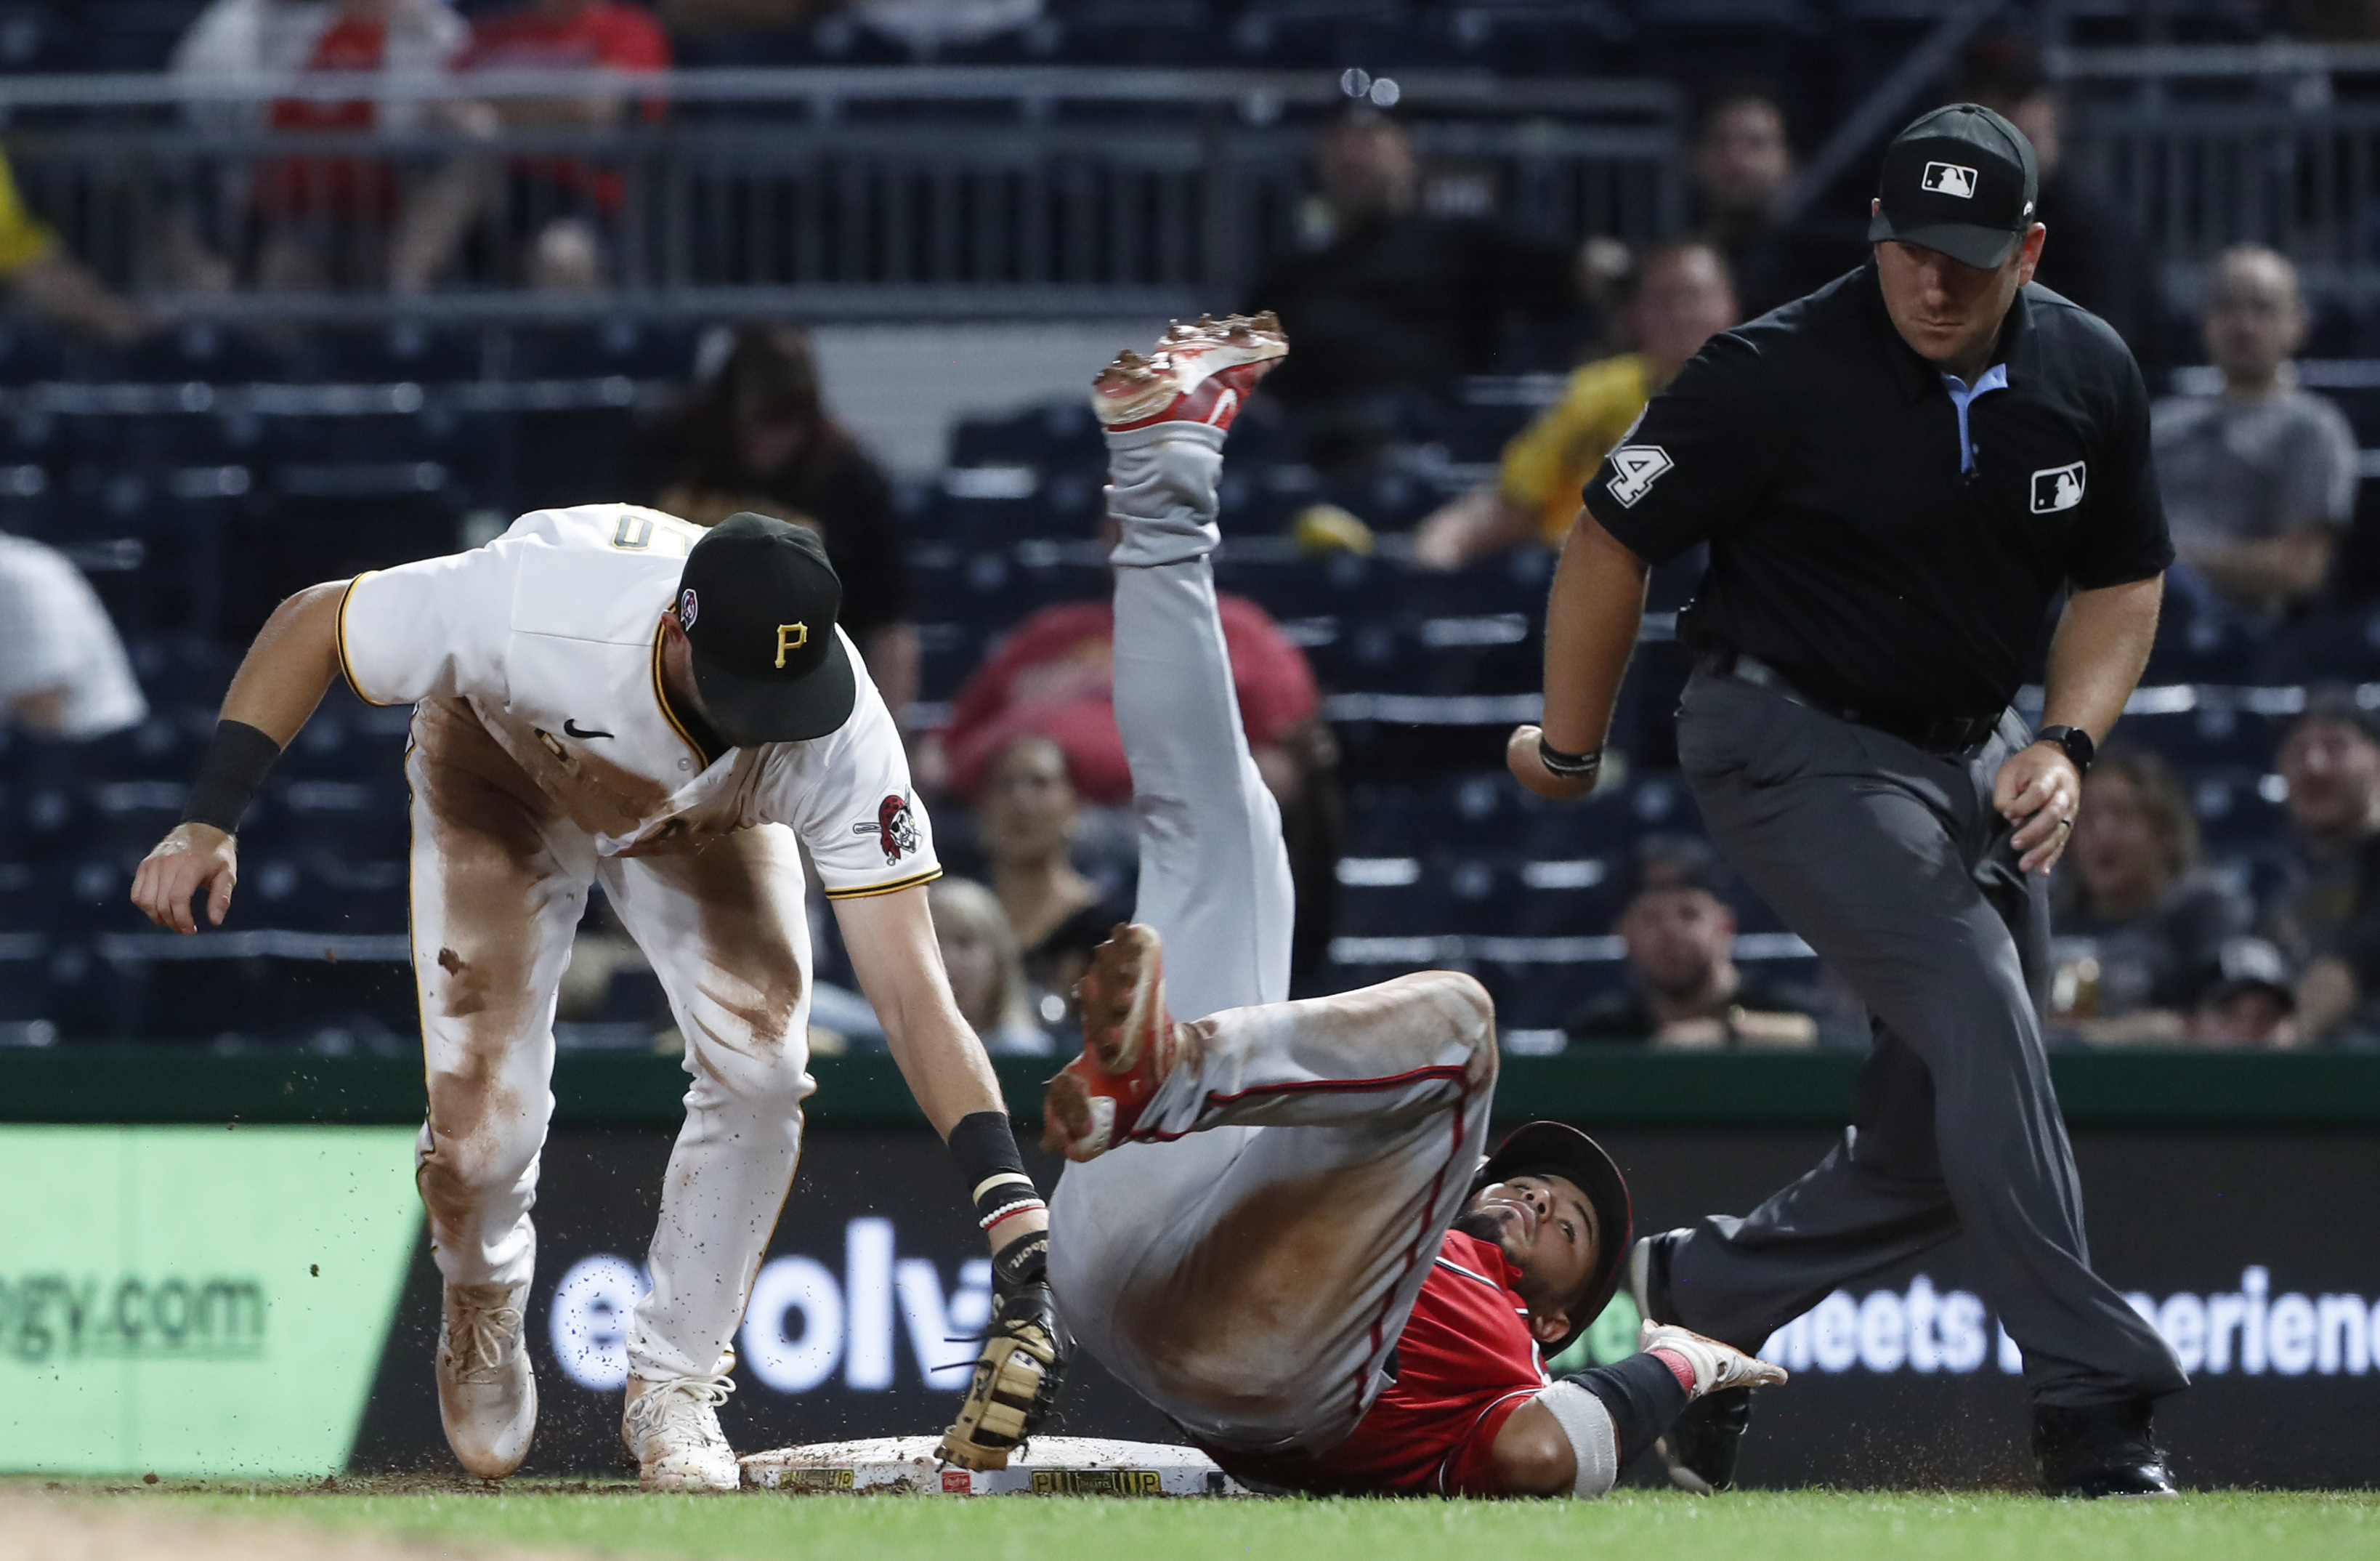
point(1557, 1148)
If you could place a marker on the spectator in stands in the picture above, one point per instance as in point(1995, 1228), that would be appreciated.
point(2139, 928)
point(925, 27)
point(756, 435)
point(569, 201)
point(2250, 1004)
point(62, 672)
point(1742, 167)
point(1026, 819)
point(2260, 480)
point(1685, 991)
point(1390, 305)
point(322, 219)
point(987, 976)
point(1053, 676)
point(2326, 918)
point(2095, 255)
point(1678, 298)
point(38, 272)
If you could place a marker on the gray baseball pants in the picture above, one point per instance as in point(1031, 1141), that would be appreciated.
point(1248, 1261)
point(1894, 865)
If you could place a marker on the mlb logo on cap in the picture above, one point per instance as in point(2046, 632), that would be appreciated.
point(1949, 179)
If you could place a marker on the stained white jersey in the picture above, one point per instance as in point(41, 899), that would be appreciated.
point(552, 635)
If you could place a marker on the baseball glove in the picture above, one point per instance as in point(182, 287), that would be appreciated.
point(1016, 1380)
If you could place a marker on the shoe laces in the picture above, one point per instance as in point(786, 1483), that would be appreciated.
point(479, 1336)
point(681, 1409)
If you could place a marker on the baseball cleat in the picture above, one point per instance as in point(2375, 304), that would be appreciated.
point(1130, 1043)
point(1701, 1447)
point(2105, 1450)
point(1200, 373)
point(487, 1395)
point(672, 1430)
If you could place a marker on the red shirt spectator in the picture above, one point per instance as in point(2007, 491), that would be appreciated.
point(1054, 677)
point(571, 35)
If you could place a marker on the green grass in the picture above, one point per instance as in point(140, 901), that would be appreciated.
point(1799, 1526)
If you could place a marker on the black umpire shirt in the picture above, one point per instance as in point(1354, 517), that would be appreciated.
point(1820, 458)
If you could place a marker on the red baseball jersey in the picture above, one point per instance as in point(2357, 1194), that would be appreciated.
point(1463, 1363)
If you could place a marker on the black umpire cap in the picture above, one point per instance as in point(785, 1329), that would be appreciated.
point(758, 601)
point(1962, 180)
point(1557, 1148)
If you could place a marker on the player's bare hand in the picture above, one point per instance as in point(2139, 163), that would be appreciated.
point(193, 858)
point(1521, 758)
point(2038, 790)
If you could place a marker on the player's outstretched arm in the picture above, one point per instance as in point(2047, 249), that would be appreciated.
point(1591, 621)
point(278, 684)
point(899, 968)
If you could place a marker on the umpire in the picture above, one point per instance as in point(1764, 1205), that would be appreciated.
point(1897, 476)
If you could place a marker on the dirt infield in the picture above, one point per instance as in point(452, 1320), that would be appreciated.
point(47, 1526)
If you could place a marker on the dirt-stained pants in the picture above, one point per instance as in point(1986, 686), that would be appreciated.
point(1247, 1265)
point(500, 879)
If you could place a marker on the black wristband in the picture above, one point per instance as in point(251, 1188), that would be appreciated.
point(237, 760)
point(1569, 766)
point(1642, 1396)
point(985, 1146)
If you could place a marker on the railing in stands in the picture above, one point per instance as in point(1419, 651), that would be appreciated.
point(836, 193)
point(2206, 146)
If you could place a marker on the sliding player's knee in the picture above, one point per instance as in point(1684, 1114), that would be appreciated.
point(1467, 1007)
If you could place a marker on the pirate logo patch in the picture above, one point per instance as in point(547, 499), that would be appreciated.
point(894, 826)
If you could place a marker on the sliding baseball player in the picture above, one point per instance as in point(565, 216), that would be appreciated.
point(1279, 1228)
point(609, 695)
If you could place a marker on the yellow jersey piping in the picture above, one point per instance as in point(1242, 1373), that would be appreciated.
point(661, 697)
point(339, 633)
point(870, 891)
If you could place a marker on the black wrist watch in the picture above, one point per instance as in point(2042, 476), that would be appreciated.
point(2074, 742)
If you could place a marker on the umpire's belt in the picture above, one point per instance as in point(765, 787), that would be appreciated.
point(1943, 733)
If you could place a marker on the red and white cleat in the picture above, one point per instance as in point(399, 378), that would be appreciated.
point(1200, 373)
point(1130, 1045)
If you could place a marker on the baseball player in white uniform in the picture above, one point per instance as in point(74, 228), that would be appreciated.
point(1256, 1235)
point(608, 694)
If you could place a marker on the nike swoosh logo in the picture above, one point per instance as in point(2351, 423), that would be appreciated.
point(570, 729)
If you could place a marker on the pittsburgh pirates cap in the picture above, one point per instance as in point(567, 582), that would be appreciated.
point(1559, 1150)
point(758, 601)
point(1962, 180)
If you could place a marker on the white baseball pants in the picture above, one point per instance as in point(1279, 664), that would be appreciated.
point(499, 879)
point(1247, 1263)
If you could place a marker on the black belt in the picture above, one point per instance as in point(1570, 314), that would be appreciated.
point(1942, 734)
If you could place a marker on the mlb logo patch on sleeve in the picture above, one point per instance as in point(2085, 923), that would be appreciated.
point(1951, 179)
point(1634, 470)
point(2057, 487)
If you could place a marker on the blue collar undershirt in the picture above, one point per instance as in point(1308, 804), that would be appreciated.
point(1993, 378)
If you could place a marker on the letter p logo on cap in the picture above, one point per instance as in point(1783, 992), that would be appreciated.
point(791, 637)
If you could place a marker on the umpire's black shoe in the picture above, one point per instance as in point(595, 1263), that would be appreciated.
point(2104, 1450)
point(1700, 1446)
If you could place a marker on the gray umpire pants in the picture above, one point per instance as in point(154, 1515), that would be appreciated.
point(1894, 865)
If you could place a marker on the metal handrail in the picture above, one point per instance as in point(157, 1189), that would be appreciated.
point(1479, 90)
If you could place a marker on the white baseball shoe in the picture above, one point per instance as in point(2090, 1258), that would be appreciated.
point(487, 1395)
point(1716, 1365)
point(672, 1430)
point(1199, 372)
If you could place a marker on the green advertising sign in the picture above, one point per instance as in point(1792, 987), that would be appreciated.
point(196, 1300)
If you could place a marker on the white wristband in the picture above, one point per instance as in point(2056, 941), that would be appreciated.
point(1594, 1441)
